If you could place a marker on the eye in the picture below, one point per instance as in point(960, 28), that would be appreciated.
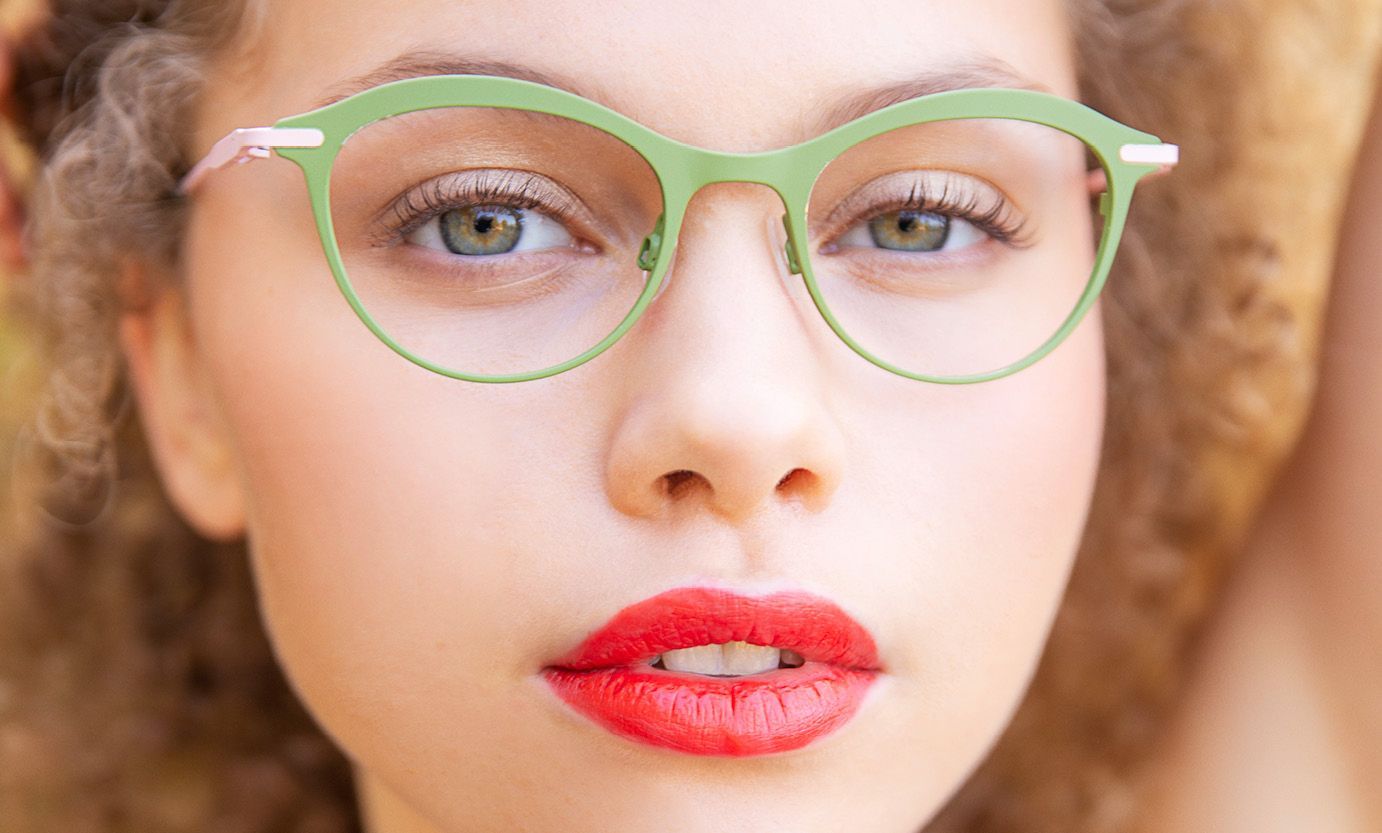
point(924, 212)
point(912, 230)
point(490, 230)
point(492, 211)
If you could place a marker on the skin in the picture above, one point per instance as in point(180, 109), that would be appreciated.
point(421, 546)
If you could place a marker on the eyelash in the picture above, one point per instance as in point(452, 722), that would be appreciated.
point(508, 188)
point(997, 221)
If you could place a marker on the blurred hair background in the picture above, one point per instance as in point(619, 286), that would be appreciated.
point(19, 373)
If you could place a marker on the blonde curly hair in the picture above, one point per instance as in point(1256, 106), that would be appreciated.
point(138, 691)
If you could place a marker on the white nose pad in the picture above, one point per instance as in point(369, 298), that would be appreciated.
point(650, 250)
point(789, 256)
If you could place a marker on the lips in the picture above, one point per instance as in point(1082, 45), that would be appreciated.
point(608, 678)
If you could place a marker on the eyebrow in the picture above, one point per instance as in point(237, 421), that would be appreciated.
point(979, 71)
point(976, 71)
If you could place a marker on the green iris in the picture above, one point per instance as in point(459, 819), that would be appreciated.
point(481, 230)
point(910, 230)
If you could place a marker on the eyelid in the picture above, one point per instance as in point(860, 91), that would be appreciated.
point(511, 185)
point(887, 187)
point(883, 186)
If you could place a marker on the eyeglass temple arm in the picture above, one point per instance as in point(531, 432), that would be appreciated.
point(246, 144)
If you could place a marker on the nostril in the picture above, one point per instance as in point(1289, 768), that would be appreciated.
point(676, 479)
point(789, 475)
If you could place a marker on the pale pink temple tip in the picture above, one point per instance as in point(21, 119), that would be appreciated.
point(245, 144)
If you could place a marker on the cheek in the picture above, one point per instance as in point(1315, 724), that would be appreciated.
point(990, 487)
point(383, 499)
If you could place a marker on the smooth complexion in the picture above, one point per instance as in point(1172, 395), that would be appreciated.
point(421, 546)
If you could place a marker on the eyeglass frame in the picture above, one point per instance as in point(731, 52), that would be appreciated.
point(313, 139)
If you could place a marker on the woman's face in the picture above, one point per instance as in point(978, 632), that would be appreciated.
point(423, 547)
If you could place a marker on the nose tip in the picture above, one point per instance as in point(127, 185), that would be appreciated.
point(731, 454)
point(737, 498)
point(723, 435)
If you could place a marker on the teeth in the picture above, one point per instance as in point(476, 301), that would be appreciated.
point(728, 659)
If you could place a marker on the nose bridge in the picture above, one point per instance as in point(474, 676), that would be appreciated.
point(699, 167)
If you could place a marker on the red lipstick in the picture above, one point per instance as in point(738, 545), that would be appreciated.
point(609, 678)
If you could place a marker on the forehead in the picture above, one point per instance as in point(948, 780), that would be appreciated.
point(722, 74)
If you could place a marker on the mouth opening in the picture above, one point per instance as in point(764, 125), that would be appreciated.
point(727, 659)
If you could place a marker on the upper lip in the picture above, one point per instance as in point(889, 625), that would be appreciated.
point(685, 617)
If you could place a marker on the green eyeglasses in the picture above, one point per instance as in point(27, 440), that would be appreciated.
point(495, 229)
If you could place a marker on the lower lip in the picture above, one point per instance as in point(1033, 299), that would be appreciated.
point(755, 714)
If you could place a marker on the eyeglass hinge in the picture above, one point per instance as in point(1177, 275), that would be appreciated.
point(248, 143)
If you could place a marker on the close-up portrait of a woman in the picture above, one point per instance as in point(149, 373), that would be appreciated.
point(691, 417)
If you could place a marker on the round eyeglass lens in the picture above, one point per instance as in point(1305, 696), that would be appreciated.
point(492, 241)
point(955, 248)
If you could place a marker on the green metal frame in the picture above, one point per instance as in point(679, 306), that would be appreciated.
point(682, 169)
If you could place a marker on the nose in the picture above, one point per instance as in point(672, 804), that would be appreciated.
point(726, 408)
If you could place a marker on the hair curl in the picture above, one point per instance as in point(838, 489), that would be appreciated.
point(138, 690)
